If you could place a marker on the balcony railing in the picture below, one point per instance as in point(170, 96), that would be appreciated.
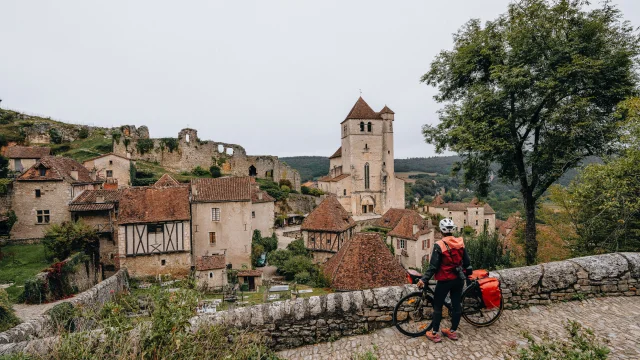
point(103, 228)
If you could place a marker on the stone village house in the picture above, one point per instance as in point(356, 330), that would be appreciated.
point(480, 217)
point(115, 169)
point(225, 212)
point(41, 195)
point(411, 236)
point(211, 271)
point(99, 209)
point(326, 229)
point(23, 157)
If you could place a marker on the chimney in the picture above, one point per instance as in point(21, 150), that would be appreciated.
point(415, 229)
point(74, 174)
point(99, 199)
point(260, 196)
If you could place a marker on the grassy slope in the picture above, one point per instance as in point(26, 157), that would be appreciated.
point(29, 260)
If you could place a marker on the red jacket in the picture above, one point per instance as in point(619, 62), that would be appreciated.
point(443, 262)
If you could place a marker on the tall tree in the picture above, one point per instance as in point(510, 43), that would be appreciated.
point(534, 92)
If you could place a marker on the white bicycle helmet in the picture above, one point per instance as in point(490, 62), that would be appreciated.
point(447, 226)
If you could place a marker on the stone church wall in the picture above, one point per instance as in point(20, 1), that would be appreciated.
point(192, 152)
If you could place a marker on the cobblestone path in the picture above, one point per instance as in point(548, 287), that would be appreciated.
point(614, 318)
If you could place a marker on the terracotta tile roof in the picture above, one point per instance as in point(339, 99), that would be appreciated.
point(404, 229)
point(386, 110)
point(149, 204)
point(167, 180)
point(438, 200)
point(91, 196)
point(26, 152)
point(105, 155)
point(362, 110)
point(335, 179)
point(88, 200)
point(364, 262)
point(250, 273)
point(328, 216)
point(58, 169)
point(90, 207)
point(222, 189)
point(391, 218)
point(336, 154)
point(211, 262)
point(310, 184)
point(259, 196)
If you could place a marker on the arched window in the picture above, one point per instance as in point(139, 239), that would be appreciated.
point(344, 192)
point(362, 126)
point(366, 176)
point(369, 126)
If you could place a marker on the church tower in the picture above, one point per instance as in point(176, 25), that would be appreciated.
point(362, 170)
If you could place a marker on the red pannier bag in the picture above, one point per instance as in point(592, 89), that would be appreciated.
point(479, 274)
point(491, 294)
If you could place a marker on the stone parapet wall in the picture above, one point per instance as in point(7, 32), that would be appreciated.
point(39, 327)
point(317, 319)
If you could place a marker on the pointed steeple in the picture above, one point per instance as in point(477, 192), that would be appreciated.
point(386, 110)
point(362, 110)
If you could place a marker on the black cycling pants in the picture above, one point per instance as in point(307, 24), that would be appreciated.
point(453, 287)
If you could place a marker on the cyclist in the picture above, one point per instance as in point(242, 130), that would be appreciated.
point(450, 264)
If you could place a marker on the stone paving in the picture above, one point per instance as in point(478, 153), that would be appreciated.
point(616, 319)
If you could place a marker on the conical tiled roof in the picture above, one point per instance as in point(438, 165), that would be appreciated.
point(364, 262)
point(362, 110)
point(328, 216)
point(386, 110)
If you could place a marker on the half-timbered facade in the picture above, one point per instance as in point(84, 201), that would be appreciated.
point(154, 231)
point(327, 228)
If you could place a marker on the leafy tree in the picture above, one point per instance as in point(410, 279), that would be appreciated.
point(199, 171)
point(4, 167)
point(256, 252)
point(60, 240)
point(603, 202)
point(215, 171)
point(8, 318)
point(55, 136)
point(534, 92)
point(143, 145)
point(297, 247)
point(278, 257)
point(486, 251)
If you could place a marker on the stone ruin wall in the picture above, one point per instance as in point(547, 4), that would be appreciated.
point(298, 322)
point(193, 152)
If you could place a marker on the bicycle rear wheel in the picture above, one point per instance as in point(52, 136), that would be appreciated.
point(413, 314)
point(474, 312)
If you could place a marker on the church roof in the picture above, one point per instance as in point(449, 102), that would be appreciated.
point(364, 262)
point(336, 154)
point(362, 110)
point(328, 216)
point(386, 110)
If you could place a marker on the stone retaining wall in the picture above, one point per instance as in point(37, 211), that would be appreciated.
point(38, 327)
point(316, 319)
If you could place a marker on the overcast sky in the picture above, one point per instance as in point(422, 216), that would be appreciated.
point(276, 77)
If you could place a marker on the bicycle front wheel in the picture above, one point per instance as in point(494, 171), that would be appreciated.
point(413, 314)
point(474, 312)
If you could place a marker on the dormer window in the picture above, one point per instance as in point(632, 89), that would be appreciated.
point(362, 126)
point(42, 171)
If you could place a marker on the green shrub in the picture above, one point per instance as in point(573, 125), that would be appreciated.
point(144, 181)
point(215, 171)
point(304, 190)
point(35, 291)
point(256, 253)
point(104, 148)
point(297, 247)
point(285, 182)
point(170, 144)
point(143, 146)
point(199, 171)
point(55, 136)
point(60, 240)
point(285, 189)
point(316, 192)
point(8, 318)
point(63, 316)
point(278, 257)
point(83, 133)
point(302, 277)
point(487, 251)
point(116, 137)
